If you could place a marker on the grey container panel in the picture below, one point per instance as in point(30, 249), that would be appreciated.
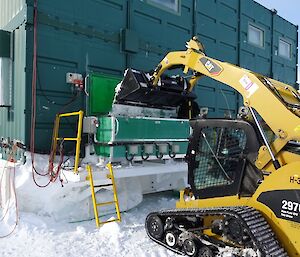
point(9, 9)
point(12, 120)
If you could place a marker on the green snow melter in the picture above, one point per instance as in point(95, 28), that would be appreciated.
point(135, 121)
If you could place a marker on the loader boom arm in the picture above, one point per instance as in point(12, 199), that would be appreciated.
point(277, 103)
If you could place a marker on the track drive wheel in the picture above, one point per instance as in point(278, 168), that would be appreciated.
point(190, 247)
point(155, 226)
point(171, 238)
point(234, 230)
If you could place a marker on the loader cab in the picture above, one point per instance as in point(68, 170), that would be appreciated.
point(221, 156)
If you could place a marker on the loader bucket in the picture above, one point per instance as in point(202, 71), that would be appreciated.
point(136, 88)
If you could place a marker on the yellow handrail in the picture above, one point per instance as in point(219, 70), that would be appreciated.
point(77, 138)
point(67, 114)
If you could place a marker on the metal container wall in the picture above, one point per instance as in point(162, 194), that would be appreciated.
point(223, 27)
point(107, 36)
point(9, 10)
point(134, 131)
point(75, 37)
point(12, 119)
point(5, 82)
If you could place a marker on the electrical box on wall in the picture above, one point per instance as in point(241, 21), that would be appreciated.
point(130, 41)
point(5, 69)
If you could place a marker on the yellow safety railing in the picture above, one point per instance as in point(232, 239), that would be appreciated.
point(56, 137)
point(94, 200)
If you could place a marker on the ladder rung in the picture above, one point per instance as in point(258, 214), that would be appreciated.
point(106, 203)
point(108, 221)
point(104, 185)
point(67, 138)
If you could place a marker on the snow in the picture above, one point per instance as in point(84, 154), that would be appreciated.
point(44, 227)
point(43, 223)
point(39, 236)
point(71, 201)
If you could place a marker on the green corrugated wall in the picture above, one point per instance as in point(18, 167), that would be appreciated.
point(89, 36)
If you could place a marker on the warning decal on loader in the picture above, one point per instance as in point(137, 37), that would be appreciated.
point(213, 68)
point(248, 85)
point(284, 203)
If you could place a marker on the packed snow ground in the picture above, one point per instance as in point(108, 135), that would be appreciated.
point(42, 233)
point(38, 236)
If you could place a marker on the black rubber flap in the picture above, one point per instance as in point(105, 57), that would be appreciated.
point(136, 88)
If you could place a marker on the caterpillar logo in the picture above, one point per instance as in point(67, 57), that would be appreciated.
point(295, 179)
point(213, 68)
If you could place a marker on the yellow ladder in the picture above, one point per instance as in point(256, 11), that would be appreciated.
point(56, 137)
point(115, 201)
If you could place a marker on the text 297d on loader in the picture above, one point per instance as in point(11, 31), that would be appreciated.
point(244, 173)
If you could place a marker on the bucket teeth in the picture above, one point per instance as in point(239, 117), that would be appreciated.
point(137, 89)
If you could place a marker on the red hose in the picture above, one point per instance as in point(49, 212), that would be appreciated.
point(53, 176)
point(33, 97)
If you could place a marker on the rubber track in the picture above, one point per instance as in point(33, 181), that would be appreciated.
point(262, 236)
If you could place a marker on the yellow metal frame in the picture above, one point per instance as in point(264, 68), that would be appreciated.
point(94, 200)
point(282, 119)
point(284, 123)
point(56, 137)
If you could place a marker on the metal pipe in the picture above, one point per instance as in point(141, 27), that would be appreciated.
point(275, 162)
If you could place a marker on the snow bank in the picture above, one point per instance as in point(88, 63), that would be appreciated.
point(38, 236)
point(46, 233)
point(71, 201)
point(67, 201)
